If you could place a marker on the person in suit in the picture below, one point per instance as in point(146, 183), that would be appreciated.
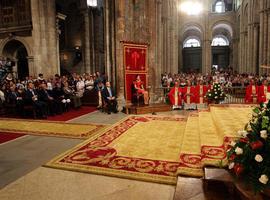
point(47, 97)
point(31, 97)
point(15, 97)
point(110, 98)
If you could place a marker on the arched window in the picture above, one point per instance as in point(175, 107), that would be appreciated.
point(220, 41)
point(192, 42)
point(92, 3)
point(220, 7)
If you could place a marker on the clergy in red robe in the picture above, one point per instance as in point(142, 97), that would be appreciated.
point(262, 91)
point(200, 92)
point(189, 96)
point(251, 93)
point(175, 96)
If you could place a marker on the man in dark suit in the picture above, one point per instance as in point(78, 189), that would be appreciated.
point(45, 96)
point(15, 98)
point(31, 97)
point(109, 98)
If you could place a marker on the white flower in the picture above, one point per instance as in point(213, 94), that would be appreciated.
point(242, 133)
point(258, 158)
point(238, 151)
point(209, 95)
point(215, 92)
point(233, 143)
point(231, 165)
point(263, 134)
point(263, 179)
point(216, 97)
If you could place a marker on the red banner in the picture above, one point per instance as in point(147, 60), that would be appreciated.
point(135, 58)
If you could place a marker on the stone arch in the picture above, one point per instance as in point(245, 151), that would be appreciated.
point(191, 29)
point(19, 39)
point(223, 28)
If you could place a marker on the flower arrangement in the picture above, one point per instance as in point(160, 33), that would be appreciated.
point(216, 94)
point(249, 156)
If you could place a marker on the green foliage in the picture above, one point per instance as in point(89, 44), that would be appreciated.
point(255, 141)
point(216, 94)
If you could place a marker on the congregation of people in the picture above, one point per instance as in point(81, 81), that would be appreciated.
point(55, 95)
point(188, 90)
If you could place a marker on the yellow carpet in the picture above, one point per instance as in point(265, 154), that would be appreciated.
point(138, 147)
point(49, 128)
point(159, 148)
point(190, 154)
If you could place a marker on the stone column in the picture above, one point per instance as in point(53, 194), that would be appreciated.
point(31, 65)
point(87, 53)
point(159, 69)
point(206, 54)
point(268, 34)
point(107, 29)
point(256, 47)
point(52, 36)
point(265, 34)
point(261, 48)
point(120, 6)
point(249, 39)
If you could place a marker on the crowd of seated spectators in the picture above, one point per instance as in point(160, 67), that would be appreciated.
point(227, 78)
point(48, 97)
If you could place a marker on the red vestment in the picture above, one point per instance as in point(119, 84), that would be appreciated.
point(200, 92)
point(175, 96)
point(262, 90)
point(251, 94)
point(189, 94)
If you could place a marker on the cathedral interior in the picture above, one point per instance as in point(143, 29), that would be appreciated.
point(47, 39)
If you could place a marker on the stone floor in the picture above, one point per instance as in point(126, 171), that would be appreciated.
point(21, 161)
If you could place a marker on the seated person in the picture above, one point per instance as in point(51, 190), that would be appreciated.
point(262, 91)
point(138, 84)
point(31, 97)
point(251, 93)
point(189, 96)
point(59, 96)
point(46, 96)
point(200, 91)
point(15, 97)
point(89, 82)
point(175, 96)
point(71, 94)
point(109, 97)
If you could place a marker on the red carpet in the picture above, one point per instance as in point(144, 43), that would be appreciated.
point(5, 137)
point(72, 114)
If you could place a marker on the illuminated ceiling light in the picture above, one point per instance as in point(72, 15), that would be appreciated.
point(191, 7)
point(92, 3)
